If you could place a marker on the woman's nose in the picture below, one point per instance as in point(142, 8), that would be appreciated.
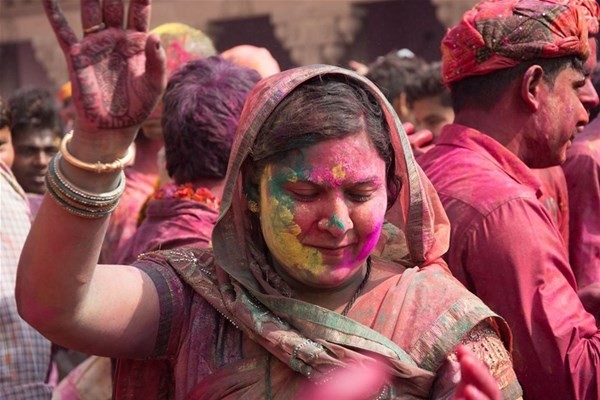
point(339, 221)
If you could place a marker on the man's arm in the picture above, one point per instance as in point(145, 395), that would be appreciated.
point(518, 266)
point(583, 180)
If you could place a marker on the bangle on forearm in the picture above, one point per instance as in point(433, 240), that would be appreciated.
point(112, 195)
point(97, 167)
point(78, 201)
point(84, 212)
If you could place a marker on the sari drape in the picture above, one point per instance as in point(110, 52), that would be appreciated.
point(412, 318)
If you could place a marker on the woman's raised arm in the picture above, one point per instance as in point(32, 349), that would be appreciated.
point(117, 75)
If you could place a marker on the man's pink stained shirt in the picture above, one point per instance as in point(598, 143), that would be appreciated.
point(582, 170)
point(506, 249)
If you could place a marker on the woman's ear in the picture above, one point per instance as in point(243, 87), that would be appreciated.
point(533, 87)
point(251, 186)
point(253, 200)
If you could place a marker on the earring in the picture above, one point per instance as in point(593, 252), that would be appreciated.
point(253, 206)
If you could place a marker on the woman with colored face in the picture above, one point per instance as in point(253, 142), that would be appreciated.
point(295, 298)
point(322, 194)
point(322, 218)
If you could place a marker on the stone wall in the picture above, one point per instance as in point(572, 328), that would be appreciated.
point(311, 31)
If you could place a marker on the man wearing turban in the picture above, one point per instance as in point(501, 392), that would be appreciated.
point(518, 73)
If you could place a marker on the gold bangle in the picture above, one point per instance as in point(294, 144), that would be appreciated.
point(97, 167)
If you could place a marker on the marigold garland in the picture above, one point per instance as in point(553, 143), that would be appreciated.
point(187, 192)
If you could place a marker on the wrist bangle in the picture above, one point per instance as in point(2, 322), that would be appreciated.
point(78, 201)
point(97, 167)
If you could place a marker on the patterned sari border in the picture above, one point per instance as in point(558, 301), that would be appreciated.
point(449, 329)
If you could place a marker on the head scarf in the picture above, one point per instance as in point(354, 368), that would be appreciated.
point(182, 43)
point(417, 210)
point(499, 34)
point(246, 289)
point(237, 279)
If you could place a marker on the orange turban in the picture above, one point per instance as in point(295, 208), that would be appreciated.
point(499, 34)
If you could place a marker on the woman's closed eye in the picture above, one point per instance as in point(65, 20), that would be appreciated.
point(362, 191)
point(360, 196)
point(304, 191)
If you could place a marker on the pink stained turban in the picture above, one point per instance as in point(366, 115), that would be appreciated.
point(591, 12)
point(499, 34)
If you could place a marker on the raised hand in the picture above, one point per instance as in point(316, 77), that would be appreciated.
point(476, 382)
point(421, 141)
point(354, 382)
point(117, 73)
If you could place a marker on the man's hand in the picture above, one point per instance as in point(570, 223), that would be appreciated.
point(421, 141)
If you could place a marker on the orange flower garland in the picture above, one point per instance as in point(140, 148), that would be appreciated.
point(187, 192)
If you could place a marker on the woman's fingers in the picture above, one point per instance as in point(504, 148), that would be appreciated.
point(138, 17)
point(64, 34)
point(420, 138)
point(476, 381)
point(472, 393)
point(113, 11)
point(354, 382)
point(156, 63)
point(91, 16)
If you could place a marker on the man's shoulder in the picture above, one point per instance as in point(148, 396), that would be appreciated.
point(468, 179)
point(583, 151)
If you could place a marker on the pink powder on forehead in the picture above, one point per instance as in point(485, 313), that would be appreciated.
point(331, 176)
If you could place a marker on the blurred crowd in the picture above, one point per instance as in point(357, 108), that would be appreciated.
point(504, 161)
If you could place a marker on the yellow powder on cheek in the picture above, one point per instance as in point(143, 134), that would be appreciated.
point(281, 232)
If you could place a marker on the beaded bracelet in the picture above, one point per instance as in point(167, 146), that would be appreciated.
point(97, 167)
point(78, 201)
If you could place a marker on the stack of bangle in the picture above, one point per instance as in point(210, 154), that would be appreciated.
point(78, 201)
point(98, 167)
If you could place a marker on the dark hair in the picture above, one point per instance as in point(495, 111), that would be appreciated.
point(483, 91)
point(427, 82)
point(322, 108)
point(202, 106)
point(392, 73)
point(5, 117)
point(34, 109)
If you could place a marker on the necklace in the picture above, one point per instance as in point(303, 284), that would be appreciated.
point(358, 290)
